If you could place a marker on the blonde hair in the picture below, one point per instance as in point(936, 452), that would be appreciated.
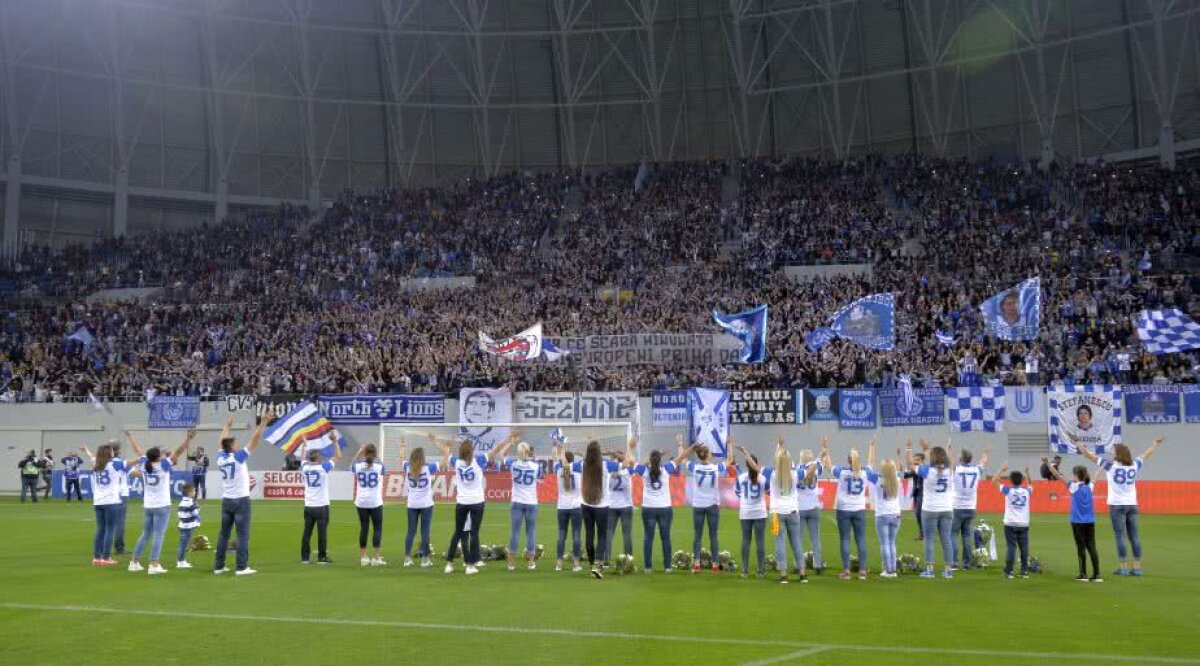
point(855, 461)
point(806, 456)
point(524, 451)
point(891, 484)
point(783, 470)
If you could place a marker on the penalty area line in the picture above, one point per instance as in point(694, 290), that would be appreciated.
point(801, 647)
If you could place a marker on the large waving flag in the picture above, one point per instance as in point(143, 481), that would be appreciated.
point(944, 339)
point(1015, 314)
point(551, 352)
point(1167, 331)
point(83, 336)
point(524, 346)
point(869, 321)
point(751, 328)
point(304, 423)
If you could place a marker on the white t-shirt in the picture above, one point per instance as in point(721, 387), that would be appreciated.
point(608, 468)
point(809, 496)
point(656, 494)
point(420, 485)
point(938, 495)
point(123, 482)
point(620, 490)
point(1016, 505)
point(966, 486)
point(779, 483)
point(106, 484)
point(316, 483)
point(368, 484)
point(852, 488)
point(1122, 481)
point(706, 490)
point(885, 505)
point(568, 499)
point(235, 477)
point(468, 475)
point(156, 484)
point(525, 475)
point(752, 496)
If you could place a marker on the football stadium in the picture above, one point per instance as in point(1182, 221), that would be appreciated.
point(599, 331)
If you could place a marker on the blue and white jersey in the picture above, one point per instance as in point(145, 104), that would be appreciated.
point(468, 476)
point(1122, 481)
point(106, 483)
point(1082, 509)
point(316, 483)
point(568, 498)
point(420, 485)
point(368, 484)
point(656, 494)
point(156, 484)
point(71, 466)
point(885, 504)
point(620, 489)
point(938, 495)
point(852, 488)
point(235, 476)
point(123, 482)
point(705, 483)
point(783, 489)
point(189, 514)
point(525, 475)
point(1016, 505)
point(752, 497)
point(966, 486)
point(808, 496)
point(607, 468)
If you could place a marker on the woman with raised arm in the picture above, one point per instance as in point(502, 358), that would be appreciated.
point(156, 479)
point(1083, 518)
point(967, 477)
point(752, 511)
point(235, 499)
point(657, 510)
point(851, 508)
point(468, 469)
point(594, 500)
point(1122, 471)
point(315, 472)
point(937, 513)
point(620, 498)
point(783, 480)
point(885, 487)
point(808, 502)
point(418, 477)
point(368, 473)
point(1016, 518)
point(526, 472)
point(706, 502)
point(106, 499)
point(570, 513)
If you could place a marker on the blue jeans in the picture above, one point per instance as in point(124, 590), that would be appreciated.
point(1016, 538)
point(937, 524)
point(185, 538)
point(660, 518)
point(856, 522)
point(154, 526)
point(623, 515)
point(753, 528)
point(519, 513)
point(573, 518)
point(1125, 522)
point(119, 526)
point(424, 517)
point(234, 512)
point(888, 529)
point(701, 515)
point(811, 519)
point(106, 522)
point(791, 527)
point(961, 529)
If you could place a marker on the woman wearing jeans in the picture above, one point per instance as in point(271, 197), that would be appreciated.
point(594, 496)
point(570, 513)
point(967, 478)
point(706, 501)
point(937, 512)
point(156, 482)
point(886, 489)
point(106, 498)
point(656, 507)
point(808, 500)
point(852, 510)
point(620, 498)
point(784, 481)
point(418, 475)
point(751, 491)
point(526, 472)
point(1122, 471)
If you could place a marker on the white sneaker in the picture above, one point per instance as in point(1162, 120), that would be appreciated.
point(480, 564)
point(134, 566)
point(408, 562)
point(245, 572)
point(378, 562)
point(576, 568)
point(426, 562)
point(156, 569)
point(183, 564)
point(471, 571)
point(218, 572)
point(449, 567)
point(364, 561)
point(558, 567)
point(532, 565)
point(512, 567)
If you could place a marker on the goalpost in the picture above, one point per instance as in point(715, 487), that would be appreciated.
point(612, 436)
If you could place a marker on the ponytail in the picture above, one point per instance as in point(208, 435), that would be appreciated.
point(152, 456)
point(568, 478)
point(369, 453)
point(655, 466)
point(753, 471)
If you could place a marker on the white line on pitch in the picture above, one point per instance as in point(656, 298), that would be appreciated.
point(786, 657)
point(575, 633)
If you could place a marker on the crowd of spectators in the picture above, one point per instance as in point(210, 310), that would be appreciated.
point(292, 301)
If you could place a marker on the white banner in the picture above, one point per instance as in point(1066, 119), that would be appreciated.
point(545, 407)
point(1025, 404)
point(1084, 415)
point(482, 406)
point(665, 349)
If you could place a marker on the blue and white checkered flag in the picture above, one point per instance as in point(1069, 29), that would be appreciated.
point(1167, 331)
point(976, 408)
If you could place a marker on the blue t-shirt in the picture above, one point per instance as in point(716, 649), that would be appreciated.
point(1082, 509)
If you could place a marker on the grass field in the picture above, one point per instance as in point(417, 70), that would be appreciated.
point(56, 609)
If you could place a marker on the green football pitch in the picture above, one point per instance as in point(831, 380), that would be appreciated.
point(56, 609)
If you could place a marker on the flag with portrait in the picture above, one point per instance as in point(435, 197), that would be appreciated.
point(1087, 415)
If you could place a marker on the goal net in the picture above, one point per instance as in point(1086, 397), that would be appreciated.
point(612, 436)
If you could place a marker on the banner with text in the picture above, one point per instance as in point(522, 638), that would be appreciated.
point(277, 405)
point(1151, 404)
point(545, 407)
point(923, 406)
point(858, 408)
point(764, 407)
point(375, 408)
point(174, 411)
point(669, 408)
point(665, 349)
point(1086, 415)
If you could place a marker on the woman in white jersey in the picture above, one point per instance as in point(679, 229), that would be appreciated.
point(620, 498)
point(594, 500)
point(1016, 518)
point(751, 491)
point(235, 499)
point(1122, 471)
point(885, 489)
point(418, 480)
point(656, 505)
point(937, 512)
point(526, 472)
point(808, 501)
point(851, 509)
point(368, 502)
point(569, 512)
point(967, 478)
point(155, 470)
point(784, 480)
point(106, 498)
point(315, 472)
point(705, 476)
point(468, 469)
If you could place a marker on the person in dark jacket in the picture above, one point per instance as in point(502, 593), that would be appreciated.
point(918, 490)
point(31, 471)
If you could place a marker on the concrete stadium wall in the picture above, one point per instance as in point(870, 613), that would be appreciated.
point(66, 426)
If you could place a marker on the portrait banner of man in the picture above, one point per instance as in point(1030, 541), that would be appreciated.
point(1087, 415)
point(1015, 314)
point(480, 407)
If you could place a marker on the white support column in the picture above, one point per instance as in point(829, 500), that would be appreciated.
point(121, 203)
point(1166, 92)
point(12, 207)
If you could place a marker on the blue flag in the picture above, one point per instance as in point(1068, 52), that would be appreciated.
point(869, 322)
point(819, 338)
point(944, 339)
point(1015, 314)
point(551, 352)
point(751, 328)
